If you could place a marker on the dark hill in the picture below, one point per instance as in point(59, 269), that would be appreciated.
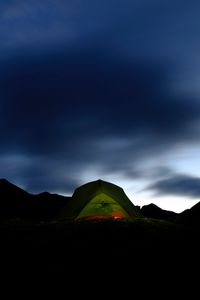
point(191, 215)
point(17, 203)
point(153, 211)
point(46, 206)
point(9, 189)
point(12, 200)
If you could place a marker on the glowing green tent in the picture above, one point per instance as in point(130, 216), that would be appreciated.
point(99, 200)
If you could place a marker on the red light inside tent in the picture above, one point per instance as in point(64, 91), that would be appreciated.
point(115, 216)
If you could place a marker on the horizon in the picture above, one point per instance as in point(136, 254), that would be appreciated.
point(102, 90)
point(136, 203)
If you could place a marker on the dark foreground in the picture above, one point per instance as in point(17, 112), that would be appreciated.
point(99, 259)
point(144, 248)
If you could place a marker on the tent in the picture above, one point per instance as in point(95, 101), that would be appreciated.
point(99, 200)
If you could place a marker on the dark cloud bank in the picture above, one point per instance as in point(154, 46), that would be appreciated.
point(88, 107)
point(85, 104)
point(178, 185)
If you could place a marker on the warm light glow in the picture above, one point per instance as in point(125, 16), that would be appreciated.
point(104, 207)
point(93, 218)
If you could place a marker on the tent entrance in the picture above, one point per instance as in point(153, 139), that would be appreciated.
point(103, 206)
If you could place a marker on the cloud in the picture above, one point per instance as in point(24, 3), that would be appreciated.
point(94, 89)
point(34, 24)
point(140, 28)
point(88, 87)
point(178, 185)
point(95, 93)
point(89, 107)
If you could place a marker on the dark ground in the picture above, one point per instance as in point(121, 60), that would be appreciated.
point(100, 252)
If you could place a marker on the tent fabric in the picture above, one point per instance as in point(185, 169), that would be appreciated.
point(85, 193)
point(103, 206)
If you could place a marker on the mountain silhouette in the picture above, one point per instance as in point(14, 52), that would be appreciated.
point(17, 203)
point(191, 215)
point(46, 206)
point(153, 211)
point(13, 200)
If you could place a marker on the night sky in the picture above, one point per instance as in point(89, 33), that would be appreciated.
point(102, 89)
